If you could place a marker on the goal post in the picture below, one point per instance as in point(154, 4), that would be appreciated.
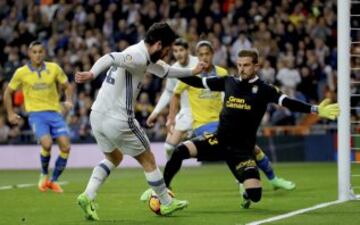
point(343, 91)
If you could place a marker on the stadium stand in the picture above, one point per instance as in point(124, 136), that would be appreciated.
point(298, 48)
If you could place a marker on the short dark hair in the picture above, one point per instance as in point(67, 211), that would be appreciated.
point(160, 32)
point(206, 44)
point(181, 42)
point(252, 53)
point(33, 43)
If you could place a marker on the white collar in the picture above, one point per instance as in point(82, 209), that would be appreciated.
point(251, 80)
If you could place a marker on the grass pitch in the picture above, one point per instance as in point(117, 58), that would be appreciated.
point(211, 190)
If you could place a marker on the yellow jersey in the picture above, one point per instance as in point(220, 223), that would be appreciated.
point(40, 87)
point(205, 104)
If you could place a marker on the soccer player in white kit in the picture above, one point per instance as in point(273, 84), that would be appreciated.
point(112, 118)
point(184, 119)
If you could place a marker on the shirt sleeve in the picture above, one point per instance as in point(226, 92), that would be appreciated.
point(164, 70)
point(127, 60)
point(214, 83)
point(273, 94)
point(60, 75)
point(180, 87)
point(15, 81)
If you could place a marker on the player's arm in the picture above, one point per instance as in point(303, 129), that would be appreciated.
point(68, 90)
point(180, 87)
point(173, 109)
point(127, 60)
point(324, 109)
point(14, 84)
point(164, 70)
point(67, 87)
point(162, 103)
point(211, 83)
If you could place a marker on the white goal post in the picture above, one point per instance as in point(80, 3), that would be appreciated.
point(343, 91)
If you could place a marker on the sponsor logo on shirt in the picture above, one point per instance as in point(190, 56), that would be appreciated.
point(237, 103)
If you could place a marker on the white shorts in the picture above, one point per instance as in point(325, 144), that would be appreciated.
point(183, 121)
point(111, 133)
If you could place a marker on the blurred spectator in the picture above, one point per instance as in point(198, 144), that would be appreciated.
point(242, 42)
point(267, 73)
point(289, 78)
point(4, 130)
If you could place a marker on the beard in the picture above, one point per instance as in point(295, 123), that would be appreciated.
point(155, 56)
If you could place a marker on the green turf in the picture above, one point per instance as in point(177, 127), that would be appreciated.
point(211, 190)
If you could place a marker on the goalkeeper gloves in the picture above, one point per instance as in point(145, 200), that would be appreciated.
point(327, 110)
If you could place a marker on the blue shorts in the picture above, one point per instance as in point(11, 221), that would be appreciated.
point(48, 123)
point(207, 128)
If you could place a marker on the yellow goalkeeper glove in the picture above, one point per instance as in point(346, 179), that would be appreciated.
point(327, 110)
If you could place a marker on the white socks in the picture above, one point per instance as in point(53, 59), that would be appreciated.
point(98, 177)
point(169, 150)
point(156, 182)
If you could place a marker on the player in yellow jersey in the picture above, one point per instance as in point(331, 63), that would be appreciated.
point(40, 82)
point(206, 106)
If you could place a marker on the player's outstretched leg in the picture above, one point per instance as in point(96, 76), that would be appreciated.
point(157, 184)
point(173, 206)
point(281, 183)
point(88, 206)
point(181, 152)
point(263, 162)
point(100, 173)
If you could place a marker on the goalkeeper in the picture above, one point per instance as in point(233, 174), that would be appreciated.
point(245, 102)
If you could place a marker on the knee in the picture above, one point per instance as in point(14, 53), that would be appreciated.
point(181, 152)
point(254, 194)
point(64, 146)
point(46, 145)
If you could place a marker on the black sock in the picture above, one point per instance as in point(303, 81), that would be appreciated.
point(181, 152)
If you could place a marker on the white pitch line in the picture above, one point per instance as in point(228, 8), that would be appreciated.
point(8, 187)
point(297, 212)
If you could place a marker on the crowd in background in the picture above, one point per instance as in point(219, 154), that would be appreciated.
point(296, 40)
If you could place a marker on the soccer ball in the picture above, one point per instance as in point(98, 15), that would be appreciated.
point(154, 202)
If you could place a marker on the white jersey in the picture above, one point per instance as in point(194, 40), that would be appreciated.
point(170, 86)
point(117, 95)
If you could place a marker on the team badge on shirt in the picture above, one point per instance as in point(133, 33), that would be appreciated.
point(254, 89)
point(128, 58)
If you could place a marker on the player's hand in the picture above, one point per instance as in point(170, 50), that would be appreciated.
point(82, 77)
point(151, 119)
point(327, 110)
point(14, 118)
point(199, 67)
point(161, 62)
point(67, 106)
point(170, 125)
